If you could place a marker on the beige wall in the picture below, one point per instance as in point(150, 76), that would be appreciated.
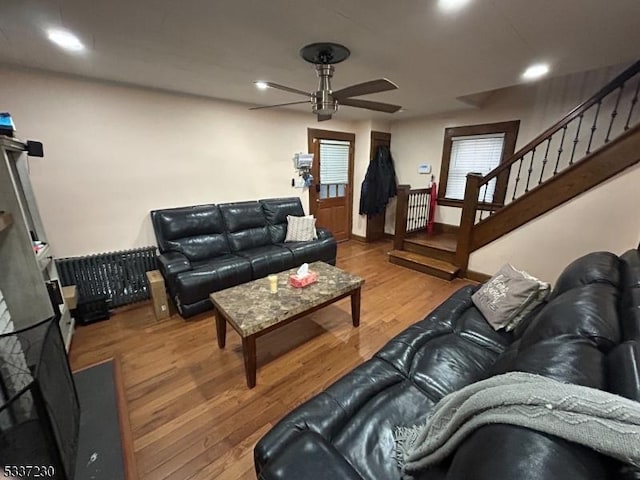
point(113, 153)
point(361, 160)
point(604, 218)
point(537, 106)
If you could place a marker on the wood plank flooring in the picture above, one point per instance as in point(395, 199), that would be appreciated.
point(191, 414)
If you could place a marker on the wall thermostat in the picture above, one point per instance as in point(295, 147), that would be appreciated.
point(424, 168)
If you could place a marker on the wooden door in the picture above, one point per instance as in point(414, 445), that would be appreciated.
point(331, 195)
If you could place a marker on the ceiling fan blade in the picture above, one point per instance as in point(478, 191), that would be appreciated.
point(372, 86)
point(287, 89)
point(279, 105)
point(322, 118)
point(377, 106)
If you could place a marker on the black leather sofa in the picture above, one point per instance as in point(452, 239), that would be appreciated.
point(206, 248)
point(588, 333)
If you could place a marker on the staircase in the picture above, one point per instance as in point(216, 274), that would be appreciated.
point(433, 254)
point(414, 248)
point(595, 141)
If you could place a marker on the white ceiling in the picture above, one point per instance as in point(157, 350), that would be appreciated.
point(217, 48)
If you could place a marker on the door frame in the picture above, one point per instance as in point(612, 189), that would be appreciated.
point(315, 133)
point(376, 224)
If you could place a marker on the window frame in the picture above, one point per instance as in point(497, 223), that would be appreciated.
point(510, 130)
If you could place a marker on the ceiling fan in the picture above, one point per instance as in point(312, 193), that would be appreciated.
point(325, 101)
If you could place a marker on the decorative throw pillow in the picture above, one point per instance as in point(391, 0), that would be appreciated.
point(509, 296)
point(300, 229)
point(315, 230)
point(544, 290)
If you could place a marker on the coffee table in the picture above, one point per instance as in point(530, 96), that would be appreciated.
point(252, 310)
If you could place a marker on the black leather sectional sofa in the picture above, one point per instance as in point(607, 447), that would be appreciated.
point(588, 334)
point(206, 248)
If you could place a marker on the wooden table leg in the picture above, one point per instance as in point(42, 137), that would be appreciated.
point(355, 307)
point(249, 352)
point(221, 329)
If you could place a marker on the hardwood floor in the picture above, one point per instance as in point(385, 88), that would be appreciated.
point(191, 413)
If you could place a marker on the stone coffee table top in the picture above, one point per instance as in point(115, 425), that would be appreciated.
point(251, 307)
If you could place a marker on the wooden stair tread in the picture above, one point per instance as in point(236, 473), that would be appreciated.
point(439, 241)
point(429, 263)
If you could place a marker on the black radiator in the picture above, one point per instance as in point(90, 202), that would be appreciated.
point(118, 277)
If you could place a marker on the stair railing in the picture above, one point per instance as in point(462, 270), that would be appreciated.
point(412, 212)
point(576, 136)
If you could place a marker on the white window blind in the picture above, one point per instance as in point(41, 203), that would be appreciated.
point(474, 153)
point(334, 162)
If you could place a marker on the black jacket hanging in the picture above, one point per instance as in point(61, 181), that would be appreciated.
point(380, 183)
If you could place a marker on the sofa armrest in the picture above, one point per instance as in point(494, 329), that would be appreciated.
point(172, 263)
point(323, 233)
point(311, 457)
point(329, 411)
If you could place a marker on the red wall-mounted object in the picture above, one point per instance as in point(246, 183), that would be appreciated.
point(433, 200)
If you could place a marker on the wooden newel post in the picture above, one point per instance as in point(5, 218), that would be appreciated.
point(402, 207)
point(471, 193)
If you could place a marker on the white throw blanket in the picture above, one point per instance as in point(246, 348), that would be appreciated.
point(605, 422)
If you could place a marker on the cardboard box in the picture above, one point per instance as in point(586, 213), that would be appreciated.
point(70, 295)
point(158, 294)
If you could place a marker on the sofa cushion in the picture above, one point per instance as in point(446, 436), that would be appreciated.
point(589, 311)
point(451, 348)
point(268, 259)
point(596, 267)
point(246, 225)
point(197, 232)
point(566, 358)
point(307, 252)
point(276, 211)
point(210, 276)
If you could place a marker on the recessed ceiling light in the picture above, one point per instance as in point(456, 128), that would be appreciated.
point(66, 40)
point(451, 5)
point(261, 85)
point(535, 71)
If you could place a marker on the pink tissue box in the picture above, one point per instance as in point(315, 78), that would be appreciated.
point(298, 282)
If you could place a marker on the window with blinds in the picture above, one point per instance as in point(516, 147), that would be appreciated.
point(474, 153)
point(334, 168)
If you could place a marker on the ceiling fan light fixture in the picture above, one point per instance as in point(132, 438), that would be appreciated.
point(260, 85)
point(325, 101)
point(324, 104)
point(328, 109)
